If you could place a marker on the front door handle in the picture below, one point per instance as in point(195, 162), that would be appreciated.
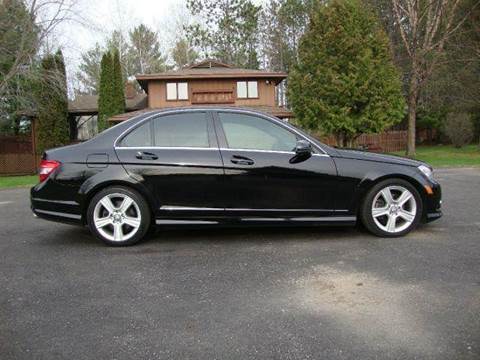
point(241, 160)
point(142, 155)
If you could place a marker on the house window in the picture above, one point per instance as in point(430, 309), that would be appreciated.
point(247, 89)
point(177, 91)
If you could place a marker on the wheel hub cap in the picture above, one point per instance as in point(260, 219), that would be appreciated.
point(117, 217)
point(394, 209)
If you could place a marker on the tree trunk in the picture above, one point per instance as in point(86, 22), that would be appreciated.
point(412, 112)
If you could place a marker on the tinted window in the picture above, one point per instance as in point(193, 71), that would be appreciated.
point(251, 132)
point(181, 130)
point(140, 136)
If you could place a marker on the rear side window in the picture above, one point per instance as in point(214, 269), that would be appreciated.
point(141, 136)
point(181, 130)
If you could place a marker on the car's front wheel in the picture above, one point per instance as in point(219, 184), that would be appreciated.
point(392, 208)
point(118, 216)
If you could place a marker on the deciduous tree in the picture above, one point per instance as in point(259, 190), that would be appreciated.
point(424, 27)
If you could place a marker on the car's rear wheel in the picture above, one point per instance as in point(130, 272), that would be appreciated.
point(118, 216)
point(392, 208)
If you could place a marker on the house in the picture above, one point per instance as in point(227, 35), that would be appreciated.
point(211, 82)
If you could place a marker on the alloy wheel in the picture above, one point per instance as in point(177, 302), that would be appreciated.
point(394, 209)
point(117, 217)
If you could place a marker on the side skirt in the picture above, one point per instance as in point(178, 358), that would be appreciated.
point(260, 221)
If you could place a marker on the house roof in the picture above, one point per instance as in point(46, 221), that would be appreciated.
point(277, 111)
point(210, 69)
point(88, 104)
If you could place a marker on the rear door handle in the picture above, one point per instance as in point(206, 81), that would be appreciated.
point(142, 155)
point(241, 160)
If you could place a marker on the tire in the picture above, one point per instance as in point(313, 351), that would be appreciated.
point(119, 216)
point(395, 215)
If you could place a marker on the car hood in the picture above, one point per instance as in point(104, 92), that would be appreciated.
point(368, 156)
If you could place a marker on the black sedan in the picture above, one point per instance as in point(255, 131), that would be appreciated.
point(226, 166)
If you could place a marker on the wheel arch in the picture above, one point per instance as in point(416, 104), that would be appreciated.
point(91, 192)
point(367, 184)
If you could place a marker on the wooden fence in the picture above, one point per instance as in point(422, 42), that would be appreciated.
point(389, 141)
point(17, 156)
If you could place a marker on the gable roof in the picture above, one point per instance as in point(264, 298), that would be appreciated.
point(88, 104)
point(210, 69)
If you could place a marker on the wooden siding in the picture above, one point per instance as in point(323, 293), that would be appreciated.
point(221, 90)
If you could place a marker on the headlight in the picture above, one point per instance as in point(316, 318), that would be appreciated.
point(427, 171)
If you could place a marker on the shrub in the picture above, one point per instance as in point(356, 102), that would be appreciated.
point(459, 129)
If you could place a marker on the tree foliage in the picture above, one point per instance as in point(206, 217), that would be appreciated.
point(144, 55)
point(89, 70)
point(459, 129)
point(283, 24)
point(345, 82)
point(105, 95)
point(227, 31)
point(118, 103)
point(52, 103)
point(139, 53)
point(183, 54)
point(111, 98)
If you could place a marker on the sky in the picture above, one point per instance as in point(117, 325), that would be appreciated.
point(98, 18)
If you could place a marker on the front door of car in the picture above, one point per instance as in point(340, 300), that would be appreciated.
point(176, 156)
point(263, 174)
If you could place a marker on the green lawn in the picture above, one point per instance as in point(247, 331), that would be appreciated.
point(447, 155)
point(14, 181)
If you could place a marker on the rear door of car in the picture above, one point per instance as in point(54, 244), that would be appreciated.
point(177, 158)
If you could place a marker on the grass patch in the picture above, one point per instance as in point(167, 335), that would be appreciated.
point(447, 155)
point(16, 181)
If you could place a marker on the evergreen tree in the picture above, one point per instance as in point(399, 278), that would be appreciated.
point(345, 82)
point(52, 104)
point(105, 96)
point(111, 98)
point(144, 55)
point(118, 86)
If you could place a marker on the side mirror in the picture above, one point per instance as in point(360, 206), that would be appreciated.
point(303, 147)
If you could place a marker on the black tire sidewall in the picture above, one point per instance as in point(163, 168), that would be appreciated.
point(366, 214)
point(142, 205)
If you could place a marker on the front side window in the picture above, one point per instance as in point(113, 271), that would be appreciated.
point(177, 91)
point(181, 130)
point(139, 137)
point(247, 89)
point(251, 132)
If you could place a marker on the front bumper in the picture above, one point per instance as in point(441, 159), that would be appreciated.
point(433, 203)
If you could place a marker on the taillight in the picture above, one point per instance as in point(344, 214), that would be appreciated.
point(46, 168)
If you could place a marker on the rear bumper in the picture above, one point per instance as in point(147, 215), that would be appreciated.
point(54, 210)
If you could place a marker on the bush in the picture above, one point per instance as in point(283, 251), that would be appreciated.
point(459, 129)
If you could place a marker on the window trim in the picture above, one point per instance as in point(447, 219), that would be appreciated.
point(216, 134)
point(246, 89)
point(176, 90)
